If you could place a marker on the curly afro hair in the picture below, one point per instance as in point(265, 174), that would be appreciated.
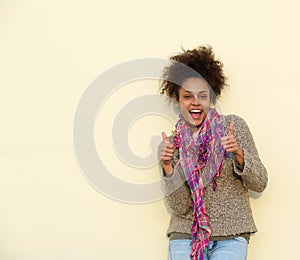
point(200, 63)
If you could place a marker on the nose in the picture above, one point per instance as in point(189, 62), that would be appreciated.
point(195, 101)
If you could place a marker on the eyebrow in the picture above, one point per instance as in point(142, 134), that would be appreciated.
point(203, 91)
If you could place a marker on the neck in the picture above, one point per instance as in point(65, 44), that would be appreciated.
point(194, 128)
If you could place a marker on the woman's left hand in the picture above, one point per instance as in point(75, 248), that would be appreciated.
point(230, 145)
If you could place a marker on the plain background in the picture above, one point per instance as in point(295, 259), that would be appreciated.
point(50, 51)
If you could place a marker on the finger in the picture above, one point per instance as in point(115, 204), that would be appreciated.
point(168, 154)
point(166, 141)
point(230, 144)
point(169, 150)
point(164, 137)
point(224, 139)
point(227, 139)
point(166, 150)
point(166, 158)
point(231, 150)
point(231, 127)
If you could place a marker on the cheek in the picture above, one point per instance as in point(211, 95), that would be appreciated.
point(206, 104)
point(184, 112)
point(184, 104)
point(183, 109)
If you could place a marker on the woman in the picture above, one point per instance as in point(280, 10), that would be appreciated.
point(209, 164)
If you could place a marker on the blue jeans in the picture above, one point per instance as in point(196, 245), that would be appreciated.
point(231, 249)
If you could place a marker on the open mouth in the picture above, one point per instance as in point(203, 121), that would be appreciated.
point(195, 113)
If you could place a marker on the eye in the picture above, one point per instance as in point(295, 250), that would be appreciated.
point(187, 96)
point(203, 96)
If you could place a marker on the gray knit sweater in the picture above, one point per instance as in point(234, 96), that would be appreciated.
point(228, 207)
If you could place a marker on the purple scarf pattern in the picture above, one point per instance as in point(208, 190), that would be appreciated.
point(201, 158)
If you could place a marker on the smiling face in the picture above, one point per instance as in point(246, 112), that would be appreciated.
point(194, 101)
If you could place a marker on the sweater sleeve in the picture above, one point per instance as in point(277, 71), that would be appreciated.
point(175, 188)
point(253, 172)
point(178, 196)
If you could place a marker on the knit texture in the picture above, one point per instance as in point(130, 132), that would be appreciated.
point(228, 207)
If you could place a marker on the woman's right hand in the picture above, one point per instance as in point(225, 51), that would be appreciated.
point(166, 154)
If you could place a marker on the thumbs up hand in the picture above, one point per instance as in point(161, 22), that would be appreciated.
point(166, 154)
point(230, 145)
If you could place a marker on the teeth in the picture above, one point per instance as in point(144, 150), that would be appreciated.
point(195, 111)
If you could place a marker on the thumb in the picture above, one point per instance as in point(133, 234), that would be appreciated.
point(164, 137)
point(231, 127)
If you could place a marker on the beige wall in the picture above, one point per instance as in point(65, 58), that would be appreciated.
point(52, 50)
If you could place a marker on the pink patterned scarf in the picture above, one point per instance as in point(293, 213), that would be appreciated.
point(201, 159)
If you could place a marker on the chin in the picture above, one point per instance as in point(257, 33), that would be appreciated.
point(195, 123)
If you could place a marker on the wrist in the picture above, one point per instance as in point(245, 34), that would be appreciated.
point(167, 168)
point(239, 156)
